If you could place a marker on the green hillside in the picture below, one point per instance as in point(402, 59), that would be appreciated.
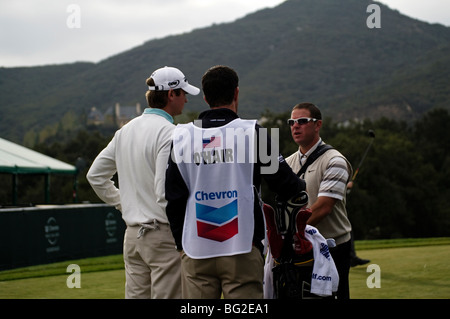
point(315, 50)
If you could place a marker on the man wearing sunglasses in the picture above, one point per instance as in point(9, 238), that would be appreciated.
point(326, 181)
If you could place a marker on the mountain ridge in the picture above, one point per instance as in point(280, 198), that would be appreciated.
point(301, 50)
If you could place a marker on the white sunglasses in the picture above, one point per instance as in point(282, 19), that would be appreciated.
point(301, 121)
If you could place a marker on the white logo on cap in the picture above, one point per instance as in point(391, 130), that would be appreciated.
point(174, 83)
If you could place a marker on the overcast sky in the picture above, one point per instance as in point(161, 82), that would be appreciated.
point(41, 32)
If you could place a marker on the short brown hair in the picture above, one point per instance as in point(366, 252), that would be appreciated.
point(313, 110)
point(158, 99)
point(219, 84)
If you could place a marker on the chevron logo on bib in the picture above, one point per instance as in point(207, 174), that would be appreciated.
point(217, 223)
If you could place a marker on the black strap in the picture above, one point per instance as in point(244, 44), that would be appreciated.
point(313, 156)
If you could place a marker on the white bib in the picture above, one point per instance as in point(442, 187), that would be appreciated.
point(217, 167)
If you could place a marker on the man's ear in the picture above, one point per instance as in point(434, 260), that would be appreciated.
point(171, 95)
point(319, 125)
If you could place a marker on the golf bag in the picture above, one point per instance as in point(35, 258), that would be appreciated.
point(292, 253)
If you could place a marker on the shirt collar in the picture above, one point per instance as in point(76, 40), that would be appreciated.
point(312, 149)
point(217, 117)
point(159, 112)
point(218, 112)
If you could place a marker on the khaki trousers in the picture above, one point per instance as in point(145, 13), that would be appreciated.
point(237, 277)
point(152, 264)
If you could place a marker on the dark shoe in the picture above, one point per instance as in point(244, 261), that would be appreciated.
point(356, 261)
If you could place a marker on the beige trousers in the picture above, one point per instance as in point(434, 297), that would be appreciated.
point(237, 277)
point(152, 264)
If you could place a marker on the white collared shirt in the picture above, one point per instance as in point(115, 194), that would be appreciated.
point(304, 157)
point(139, 153)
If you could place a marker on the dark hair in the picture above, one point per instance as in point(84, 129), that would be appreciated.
point(219, 84)
point(313, 110)
point(158, 99)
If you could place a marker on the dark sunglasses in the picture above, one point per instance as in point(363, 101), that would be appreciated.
point(301, 121)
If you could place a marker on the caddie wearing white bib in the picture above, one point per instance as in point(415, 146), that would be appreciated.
point(213, 180)
point(219, 211)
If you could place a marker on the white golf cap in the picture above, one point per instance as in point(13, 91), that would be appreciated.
point(167, 78)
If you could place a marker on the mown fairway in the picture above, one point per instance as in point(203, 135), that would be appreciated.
point(410, 272)
point(409, 269)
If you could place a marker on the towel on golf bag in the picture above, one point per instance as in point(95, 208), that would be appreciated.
point(268, 277)
point(325, 278)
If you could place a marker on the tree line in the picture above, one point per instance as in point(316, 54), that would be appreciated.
point(402, 188)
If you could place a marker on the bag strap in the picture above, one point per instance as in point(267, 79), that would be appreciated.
point(313, 156)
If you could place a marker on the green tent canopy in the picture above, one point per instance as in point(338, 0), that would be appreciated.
point(16, 159)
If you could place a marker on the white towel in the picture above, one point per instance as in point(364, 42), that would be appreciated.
point(268, 277)
point(325, 278)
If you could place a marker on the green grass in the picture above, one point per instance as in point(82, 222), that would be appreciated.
point(101, 278)
point(410, 269)
point(108, 284)
point(406, 273)
point(95, 264)
point(401, 242)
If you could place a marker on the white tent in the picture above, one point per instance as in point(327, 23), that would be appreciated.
point(16, 159)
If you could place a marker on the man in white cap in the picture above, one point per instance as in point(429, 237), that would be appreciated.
point(139, 154)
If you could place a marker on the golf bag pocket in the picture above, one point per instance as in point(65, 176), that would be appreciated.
point(291, 281)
